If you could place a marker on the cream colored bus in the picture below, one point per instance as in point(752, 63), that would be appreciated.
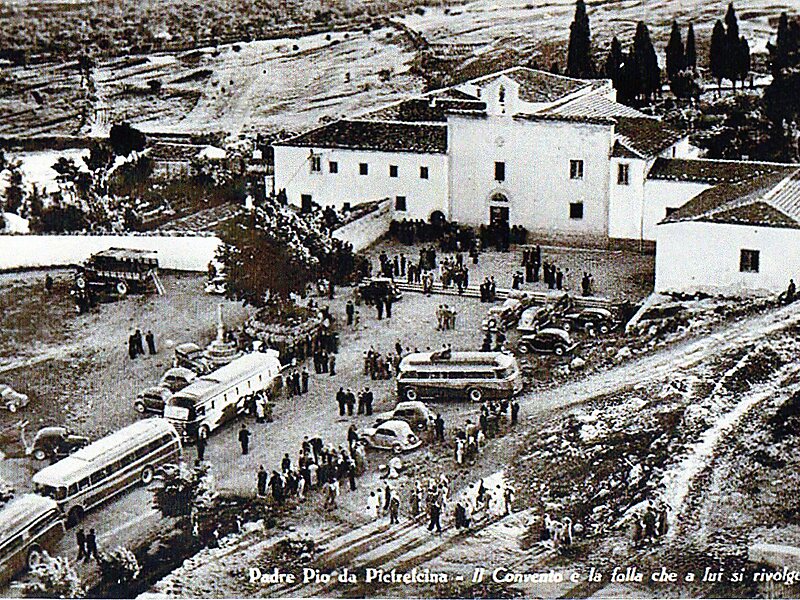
point(29, 526)
point(109, 466)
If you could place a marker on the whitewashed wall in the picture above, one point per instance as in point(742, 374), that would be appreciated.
point(365, 231)
point(538, 184)
point(182, 253)
point(423, 196)
point(659, 195)
point(695, 256)
point(626, 201)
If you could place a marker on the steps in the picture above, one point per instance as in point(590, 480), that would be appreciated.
point(538, 296)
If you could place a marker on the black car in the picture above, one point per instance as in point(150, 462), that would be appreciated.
point(547, 341)
point(56, 442)
point(153, 399)
point(589, 319)
point(379, 287)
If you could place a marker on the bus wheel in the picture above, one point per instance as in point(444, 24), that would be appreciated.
point(34, 557)
point(122, 288)
point(39, 454)
point(559, 350)
point(523, 348)
point(12, 408)
point(140, 408)
point(411, 394)
point(475, 394)
point(147, 475)
point(74, 516)
point(397, 448)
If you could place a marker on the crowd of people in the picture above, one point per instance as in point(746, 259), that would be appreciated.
point(385, 365)
point(319, 466)
point(136, 344)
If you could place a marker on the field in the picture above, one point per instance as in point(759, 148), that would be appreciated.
point(292, 83)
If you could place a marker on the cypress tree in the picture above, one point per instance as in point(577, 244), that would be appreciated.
point(579, 53)
point(676, 58)
point(716, 56)
point(731, 66)
point(644, 56)
point(743, 59)
point(691, 49)
point(781, 54)
point(614, 59)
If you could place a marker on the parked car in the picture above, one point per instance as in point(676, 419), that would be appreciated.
point(12, 400)
point(536, 318)
point(177, 378)
point(394, 435)
point(55, 443)
point(547, 341)
point(415, 414)
point(152, 399)
point(191, 356)
point(589, 319)
point(379, 287)
point(500, 318)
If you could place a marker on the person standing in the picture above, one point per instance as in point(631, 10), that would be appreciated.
point(262, 481)
point(151, 342)
point(340, 400)
point(332, 365)
point(379, 307)
point(350, 398)
point(351, 474)
point(304, 376)
point(137, 338)
point(389, 306)
point(368, 399)
point(286, 463)
point(80, 536)
point(439, 425)
point(394, 510)
point(91, 545)
point(244, 439)
point(435, 514)
point(350, 310)
point(131, 346)
point(201, 446)
point(514, 412)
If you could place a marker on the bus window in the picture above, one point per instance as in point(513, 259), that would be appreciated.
point(201, 411)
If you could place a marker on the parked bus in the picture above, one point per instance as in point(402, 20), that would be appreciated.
point(109, 466)
point(29, 525)
point(214, 399)
point(458, 375)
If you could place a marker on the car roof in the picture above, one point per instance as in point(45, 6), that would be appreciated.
point(554, 331)
point(411, 404)
point(179, 372)
point(21, 511)
point(395, 425)
point(187, 347)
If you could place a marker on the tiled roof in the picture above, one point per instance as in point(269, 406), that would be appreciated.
point(375, 135)
point(453, 93)
point(166, 151)
point(645, 136)
point(710, 171)
point(594, 105)
point(422, 110)
point(772, 199)
point(543, 116)
point(537, 86)
point(620, 151)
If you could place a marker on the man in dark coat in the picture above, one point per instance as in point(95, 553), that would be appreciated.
point(340, 400)
point(80, 536)
point(439, 425)
point(262, 481)
point(304, 380)
point(131, 346)
point(350, 309)
point(388, 307)
point(137, 338)
point(332, 365)
point(276, 483)
point(286, 463)
point(514, 412)
point(244, 439)
point(350, 399)
point(151, 342)
point(201, 447)
point(91, 545)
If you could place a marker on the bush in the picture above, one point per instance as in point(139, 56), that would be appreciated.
point(119, 566)
point(54, 577)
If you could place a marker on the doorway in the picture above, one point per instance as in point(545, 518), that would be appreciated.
point(498, 217)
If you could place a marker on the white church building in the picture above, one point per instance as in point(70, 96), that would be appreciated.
point(562, 158)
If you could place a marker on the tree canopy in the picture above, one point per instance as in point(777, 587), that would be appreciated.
point(676, 56)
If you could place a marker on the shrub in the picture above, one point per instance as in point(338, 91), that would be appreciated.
point(54, 577)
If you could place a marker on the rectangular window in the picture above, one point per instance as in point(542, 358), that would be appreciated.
point(576, 169)
point(748, 261)
point(623, 174)
point(316, 164)
point(363, 168)
point(400, 203)
point(423, 172)
point(393, 170)
point(576, 210)
point(333, 167)
point(499, 171)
